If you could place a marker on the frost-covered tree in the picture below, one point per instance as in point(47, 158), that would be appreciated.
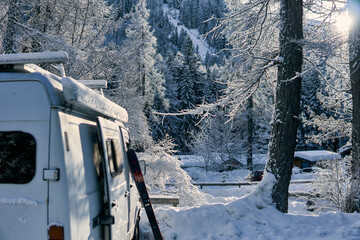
point(309, 104)
point(9, 36)
point(325, 81)
point(161, 27)
point(186, 99)
point(78, 27)
point(353, 201)
point(251, 21)
point(189, 13)
point(164, 169)
point(287, 101)
point(137, 79)
point(255, 54)
point(188, 80)
point(249, 29)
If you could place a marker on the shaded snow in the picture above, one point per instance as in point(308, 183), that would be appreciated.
point(242, 213)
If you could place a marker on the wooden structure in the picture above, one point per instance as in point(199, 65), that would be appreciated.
point(163, 199)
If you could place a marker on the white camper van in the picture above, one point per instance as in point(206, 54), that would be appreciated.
point(63, 165)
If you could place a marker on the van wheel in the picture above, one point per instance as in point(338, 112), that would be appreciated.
point(137, 230)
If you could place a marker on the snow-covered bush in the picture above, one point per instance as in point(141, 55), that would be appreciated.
point(165, 176)
point(332, 184)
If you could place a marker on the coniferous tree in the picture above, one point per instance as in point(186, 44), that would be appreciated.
point(309, 104)
point(9, 36)
point(138, 78)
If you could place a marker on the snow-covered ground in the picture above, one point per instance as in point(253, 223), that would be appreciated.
point(245, 213)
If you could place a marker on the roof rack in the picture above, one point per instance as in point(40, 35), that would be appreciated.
point(27, 62)
point(77, 93)
point(98, 85)
point(35, 58)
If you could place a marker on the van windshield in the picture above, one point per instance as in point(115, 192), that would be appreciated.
point(17, 157)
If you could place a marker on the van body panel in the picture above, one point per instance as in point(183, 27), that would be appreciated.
point(23, 101)
point(53, 88)
point(84, 189)
point(23, 206)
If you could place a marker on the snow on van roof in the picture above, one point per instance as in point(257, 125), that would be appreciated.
point(317, 155)
point(81, 96)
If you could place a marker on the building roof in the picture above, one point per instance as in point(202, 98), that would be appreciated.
point(317, 155)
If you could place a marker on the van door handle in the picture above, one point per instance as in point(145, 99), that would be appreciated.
point(127, 193)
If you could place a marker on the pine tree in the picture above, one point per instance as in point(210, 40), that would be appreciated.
point(139, 80)
point(309, 104)
point(9, 36)
point(194, 71)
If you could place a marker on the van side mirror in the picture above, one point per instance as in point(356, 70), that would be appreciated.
point(142, 164)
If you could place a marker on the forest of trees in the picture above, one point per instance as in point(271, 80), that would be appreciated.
point(278, 61)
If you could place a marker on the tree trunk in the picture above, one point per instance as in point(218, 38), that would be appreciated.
point(287, 103)
point(250, 128)
point(353, 203)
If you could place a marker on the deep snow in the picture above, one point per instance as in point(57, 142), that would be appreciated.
point(246, 213)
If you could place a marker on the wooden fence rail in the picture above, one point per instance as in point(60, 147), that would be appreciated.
point(201, 184)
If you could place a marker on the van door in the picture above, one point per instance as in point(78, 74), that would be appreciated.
point(24, 144)
point(116, 191)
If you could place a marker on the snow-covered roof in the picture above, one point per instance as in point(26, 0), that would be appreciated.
point(191, 161)
point(317, 155)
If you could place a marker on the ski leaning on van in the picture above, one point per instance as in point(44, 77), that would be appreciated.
point(140, 184)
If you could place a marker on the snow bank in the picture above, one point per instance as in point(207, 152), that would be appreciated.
point(79, 95)
point(250, 217)
point(243, 219)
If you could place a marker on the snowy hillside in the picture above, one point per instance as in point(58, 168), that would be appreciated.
point(198, 41)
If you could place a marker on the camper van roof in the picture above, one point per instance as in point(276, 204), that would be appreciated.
point(63, 91)
point(81, 96)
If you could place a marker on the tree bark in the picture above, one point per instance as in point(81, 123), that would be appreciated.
point(287, 102)
point(249, 129)
point(353, 203)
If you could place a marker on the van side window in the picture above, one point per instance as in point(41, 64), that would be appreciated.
point(113, 149)
point(17, 157)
